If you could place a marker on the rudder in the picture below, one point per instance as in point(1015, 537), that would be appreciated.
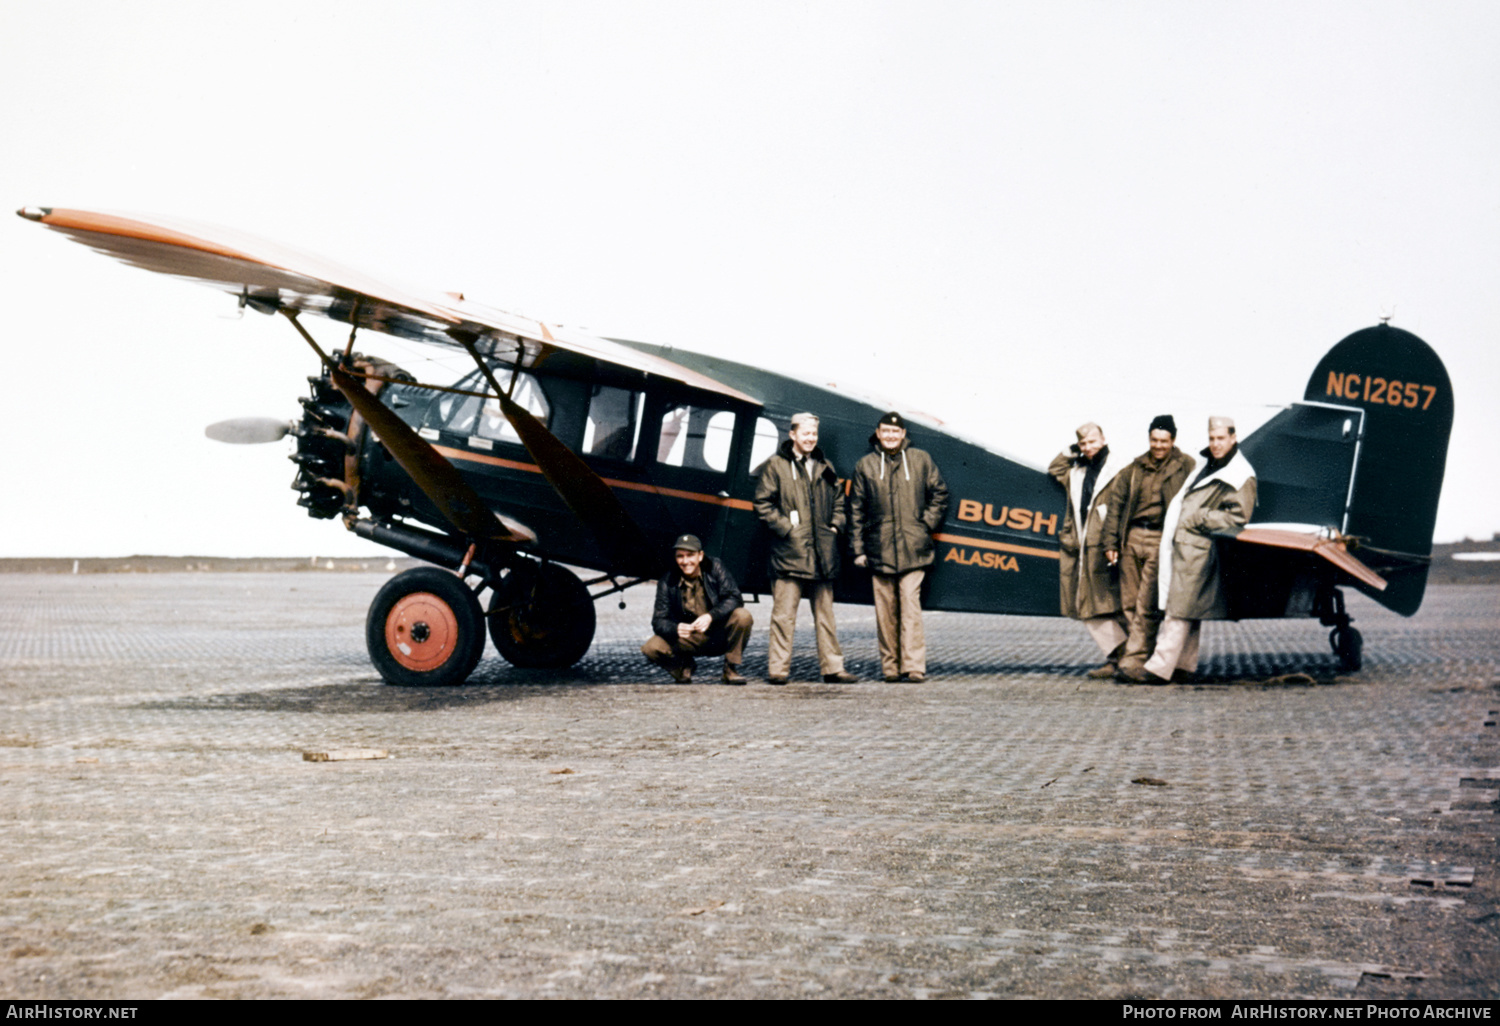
point(1403, 387)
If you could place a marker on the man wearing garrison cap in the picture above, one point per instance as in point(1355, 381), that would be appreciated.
point(1089, 589)
point(799, 499)
point(1218, 500)
point(897, 499)
point(1132, 535)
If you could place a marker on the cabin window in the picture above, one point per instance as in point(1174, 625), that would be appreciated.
point(470, 415)
point(614, 423)
point(767, 438)
point(695, 437)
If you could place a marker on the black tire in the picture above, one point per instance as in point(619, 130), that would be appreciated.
point(542, 617)
point(425, 629)
point(1349, 645)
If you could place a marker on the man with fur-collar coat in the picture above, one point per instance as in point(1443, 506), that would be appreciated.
point(1219, 498)
point(1090, 589)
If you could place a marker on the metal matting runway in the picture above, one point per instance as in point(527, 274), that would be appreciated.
point(1009, 829)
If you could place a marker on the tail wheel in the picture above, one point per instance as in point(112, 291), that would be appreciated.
point(542, 617)
point(425, 629)
point(1349, 646)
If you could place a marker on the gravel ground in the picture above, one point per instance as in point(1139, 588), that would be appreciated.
point(1009, 829)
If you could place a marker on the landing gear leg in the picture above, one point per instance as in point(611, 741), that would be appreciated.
point(1347, 642)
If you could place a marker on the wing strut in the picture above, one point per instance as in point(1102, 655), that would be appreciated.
point(585, 492)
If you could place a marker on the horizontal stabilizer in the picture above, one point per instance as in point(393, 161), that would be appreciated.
point(1334, 549)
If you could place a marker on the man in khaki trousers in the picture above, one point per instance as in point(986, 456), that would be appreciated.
point(1132, 536)
point(799, 500)
point(897, 499)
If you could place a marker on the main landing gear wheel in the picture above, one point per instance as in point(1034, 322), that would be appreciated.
point(425, 629)
point(1349, 646)
point(542, 617)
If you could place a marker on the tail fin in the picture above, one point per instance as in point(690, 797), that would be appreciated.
point(1407, 399)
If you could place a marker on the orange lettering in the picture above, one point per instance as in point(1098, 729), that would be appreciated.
point(1335, 384)
point(1050, 522)
point(968, 509)
point(1351, 386)
point(1020, 519)
point(991, 519)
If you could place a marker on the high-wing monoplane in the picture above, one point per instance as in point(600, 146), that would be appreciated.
point(563, 448)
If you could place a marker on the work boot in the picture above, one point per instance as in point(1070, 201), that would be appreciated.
point(842, 677)
point(777, 678)
point(1135, 675)
point(682, 672)
point(1104, 672)
point(915, 677)
point(732, 674)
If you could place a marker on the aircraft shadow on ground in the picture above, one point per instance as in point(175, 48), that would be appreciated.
point(497, 682)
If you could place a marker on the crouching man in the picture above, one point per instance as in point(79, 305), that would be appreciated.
point(699, 612)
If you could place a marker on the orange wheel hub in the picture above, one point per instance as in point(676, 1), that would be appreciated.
point(421, 631)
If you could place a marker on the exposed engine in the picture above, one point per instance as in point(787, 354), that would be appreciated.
point(330, 437)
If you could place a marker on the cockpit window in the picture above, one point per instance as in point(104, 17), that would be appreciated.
point(614, 423)
point(483, 418)
point(695, 437)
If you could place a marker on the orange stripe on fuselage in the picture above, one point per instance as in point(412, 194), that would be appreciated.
point(634, 486)
point(982, 543)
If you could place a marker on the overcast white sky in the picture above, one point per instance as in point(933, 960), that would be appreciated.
point(1015, 215)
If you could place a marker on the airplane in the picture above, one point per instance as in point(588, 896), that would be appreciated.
point(564, 449)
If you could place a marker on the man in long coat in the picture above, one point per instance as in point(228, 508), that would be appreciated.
point(799, 499)
point(1089, 588)
point(897, 499)
point(1220, 498)
point(1132, 536)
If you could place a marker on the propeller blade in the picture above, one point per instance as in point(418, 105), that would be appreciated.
point(438, 479)
point(249, 430)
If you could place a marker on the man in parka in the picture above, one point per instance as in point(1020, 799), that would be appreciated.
point(699, 612)
point(1089, 588)
point(1221, 497)
point(897, 500)
point(1132, 535)
point(799, 499)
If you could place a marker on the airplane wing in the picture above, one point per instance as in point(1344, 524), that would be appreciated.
point(271, 277)
point(1333, 548)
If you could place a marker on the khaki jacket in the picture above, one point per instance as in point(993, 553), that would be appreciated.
point(808, 548)
point(1089, 585)
point(1178, 466)
point(1189, 587)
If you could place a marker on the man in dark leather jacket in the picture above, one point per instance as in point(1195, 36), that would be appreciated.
point(698, 611)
